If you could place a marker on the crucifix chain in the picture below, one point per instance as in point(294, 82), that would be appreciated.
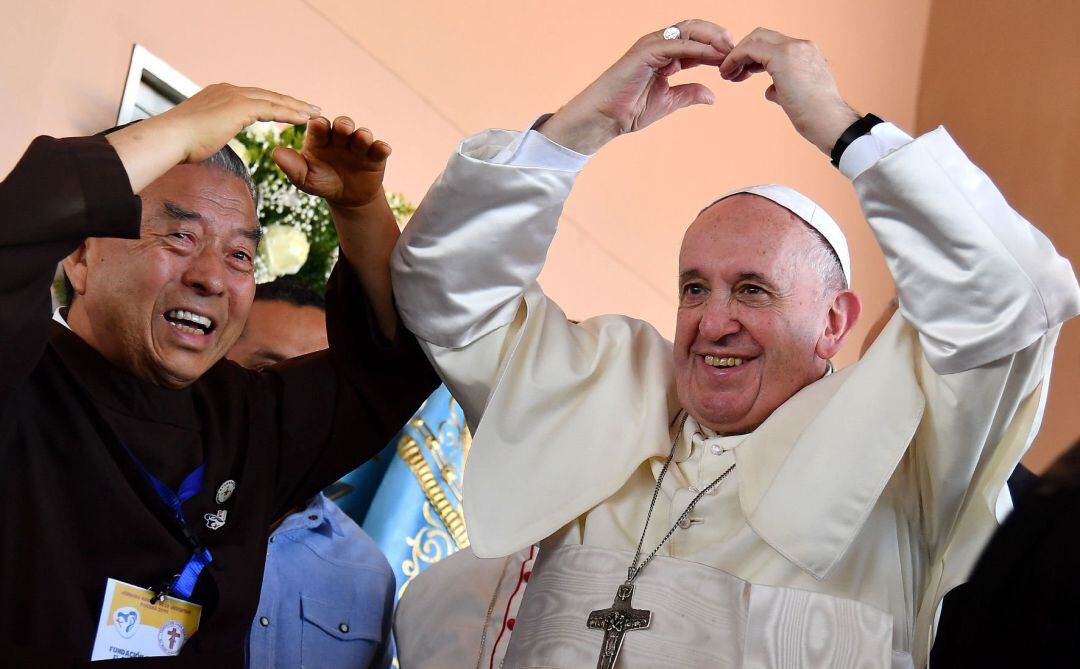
point(634, 569)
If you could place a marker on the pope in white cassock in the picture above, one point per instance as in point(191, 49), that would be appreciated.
point(726, 500)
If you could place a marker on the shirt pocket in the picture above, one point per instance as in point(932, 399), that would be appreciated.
point(332, 635)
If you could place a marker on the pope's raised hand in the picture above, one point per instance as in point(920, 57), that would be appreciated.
point(803, 84)
point(634, 92)
point(338, 162)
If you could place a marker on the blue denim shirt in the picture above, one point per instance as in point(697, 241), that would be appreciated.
point(327, 595)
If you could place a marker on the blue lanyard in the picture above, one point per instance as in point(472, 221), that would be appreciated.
point(183, 583)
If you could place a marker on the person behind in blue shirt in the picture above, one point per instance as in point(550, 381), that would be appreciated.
point(328, 592)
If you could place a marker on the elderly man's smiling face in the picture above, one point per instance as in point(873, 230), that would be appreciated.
point(167, 306)
point(755, 323)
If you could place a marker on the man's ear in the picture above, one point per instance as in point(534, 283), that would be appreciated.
point(843, 314)
point(75, 268)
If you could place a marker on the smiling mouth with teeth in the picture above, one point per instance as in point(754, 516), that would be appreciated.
point(189, 322)
point(716, 361)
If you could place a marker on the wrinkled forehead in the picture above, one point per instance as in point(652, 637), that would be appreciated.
point(206, 191)
point(202, 195)
point(739, 225)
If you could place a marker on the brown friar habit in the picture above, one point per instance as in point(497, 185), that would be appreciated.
point(77, 510)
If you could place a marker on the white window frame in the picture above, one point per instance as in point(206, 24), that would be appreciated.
point(156, 73)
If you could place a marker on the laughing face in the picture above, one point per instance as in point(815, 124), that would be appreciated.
point(755, 323)
point(168, 305)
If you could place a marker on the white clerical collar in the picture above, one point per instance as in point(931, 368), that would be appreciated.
point(59, 318)
point(697, 436)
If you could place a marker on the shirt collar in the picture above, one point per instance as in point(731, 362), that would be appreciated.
point(317, 516)
point(696, 437)
point(59, 317)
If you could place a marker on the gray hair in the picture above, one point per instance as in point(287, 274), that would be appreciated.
point(226, 160)
point(821, 258)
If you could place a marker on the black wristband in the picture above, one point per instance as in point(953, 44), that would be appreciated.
point(854, 131)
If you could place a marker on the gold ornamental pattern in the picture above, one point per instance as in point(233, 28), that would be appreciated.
point(431, 455)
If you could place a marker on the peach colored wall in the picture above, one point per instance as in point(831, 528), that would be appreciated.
point(1005, 82)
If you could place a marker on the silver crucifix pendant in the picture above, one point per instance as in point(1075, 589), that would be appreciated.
point(615, 622)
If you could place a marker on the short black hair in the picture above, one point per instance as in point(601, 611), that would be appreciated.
point(292, 291)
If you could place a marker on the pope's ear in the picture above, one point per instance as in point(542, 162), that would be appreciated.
point(843, 314)
point(75, 269)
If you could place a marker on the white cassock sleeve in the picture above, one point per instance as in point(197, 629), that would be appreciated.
point(987, 294)
point(476, 243)
point(465, 282)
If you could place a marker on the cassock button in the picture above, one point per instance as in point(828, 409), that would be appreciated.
point(343, 627)
point(715, 449)
point(264, 621)
point(527, 575)
point(510, 624)
point(684, 523)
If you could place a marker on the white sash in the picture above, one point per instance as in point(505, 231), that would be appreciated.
point(701, 617)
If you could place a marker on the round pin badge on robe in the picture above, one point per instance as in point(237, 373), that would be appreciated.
point(225, 491)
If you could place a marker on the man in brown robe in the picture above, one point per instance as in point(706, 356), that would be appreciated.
point(158, 236)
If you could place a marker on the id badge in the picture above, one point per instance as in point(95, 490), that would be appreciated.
point(130, 626)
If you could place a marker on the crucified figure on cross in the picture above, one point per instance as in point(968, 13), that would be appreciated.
point(615, 621)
